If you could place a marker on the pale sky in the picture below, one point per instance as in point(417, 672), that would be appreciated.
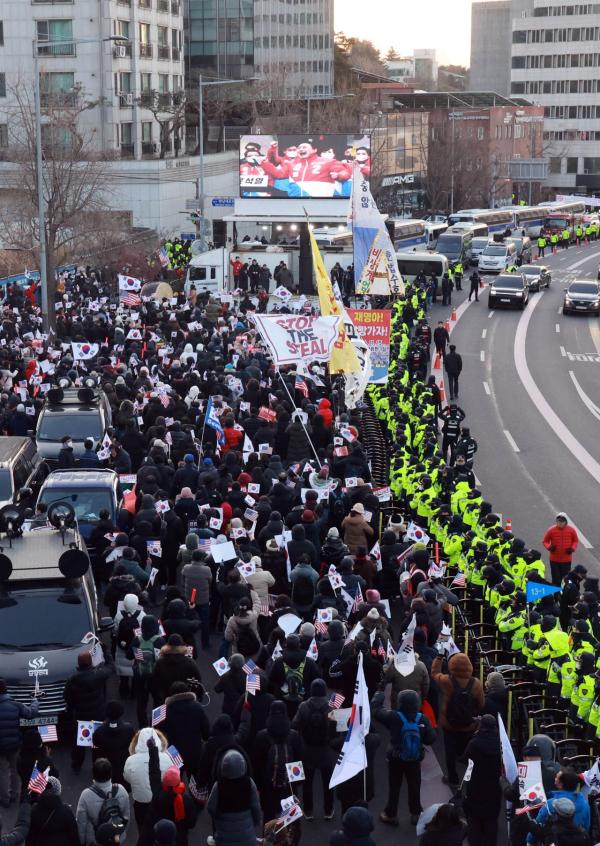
point(408, 24)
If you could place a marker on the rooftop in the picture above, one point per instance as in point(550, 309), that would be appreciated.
point(428, 100)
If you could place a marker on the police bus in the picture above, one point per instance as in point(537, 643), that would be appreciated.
point(530, 219)
point(408, 234)
point(497, 220)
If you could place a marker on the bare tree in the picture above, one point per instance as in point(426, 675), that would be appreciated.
point(168, 110)
point(74, 179)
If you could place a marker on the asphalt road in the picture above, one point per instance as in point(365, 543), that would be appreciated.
point(529, 386)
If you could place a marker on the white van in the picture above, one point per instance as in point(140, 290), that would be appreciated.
point(497, 258)
point(211, 271)
point(411, 264)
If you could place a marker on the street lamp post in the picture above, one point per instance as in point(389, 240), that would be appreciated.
point(39, 157)
point(201, 86)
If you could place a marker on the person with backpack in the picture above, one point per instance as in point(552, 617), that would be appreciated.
point(127, 621)
point(275, 746)
point(483, 793)
point(170, 801)
point(410, 731)
point(317, 731)
point(112, 739)
point(233, 803)
point(292, 675)
point(462, 699)
point(173, 664)
point(101, 803)
point(144, 651)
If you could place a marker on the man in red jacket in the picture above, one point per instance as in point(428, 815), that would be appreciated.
point(561, 541)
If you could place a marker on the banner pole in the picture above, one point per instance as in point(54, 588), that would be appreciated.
point(312, 446)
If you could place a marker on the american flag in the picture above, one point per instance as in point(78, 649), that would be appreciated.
point(163, 257)
point(164, 398)
point(264, 610)
point(459, 581)
point(204, 544)
point(48, 734)
point(200, 794)
point(174, 755)
point(358, 599)
point(249, 667)
point(381, 650)
point(300, 385)
point(321, 628)
point(130, 298)
point(253, 683)
point(159, 715)
point(336, 700)
point(38, 781)
point(138, 654)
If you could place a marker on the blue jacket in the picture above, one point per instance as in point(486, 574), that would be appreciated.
point(89, 458)
point(582, 809)
point(10, 714)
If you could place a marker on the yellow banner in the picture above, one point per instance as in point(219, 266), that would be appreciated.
point(343, 357)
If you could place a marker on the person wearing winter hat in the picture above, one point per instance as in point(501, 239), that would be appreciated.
point(165, 833)
point(170, 800)
point(112, 739)
point(126, 621)
point(108, 833)
point(136, 769)
point(357, 825)
point(567, 786)
point(357, 532)
point(275, 745)
point(483, 793)
point(317, 731)
point(52, 821)
point(85, 696)
point(233, 803)
point(91, 801)
point(496, 696)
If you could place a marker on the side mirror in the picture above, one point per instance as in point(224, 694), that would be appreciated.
point(105, 624)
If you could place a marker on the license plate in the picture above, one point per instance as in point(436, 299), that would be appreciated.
point(581, 308)
point(40, 721)
point(504, 299)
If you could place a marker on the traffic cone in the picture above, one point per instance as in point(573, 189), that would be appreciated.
point(481, 283)
point(442, 392)
point(508, 524)
point(453, 314)
point(436, 364)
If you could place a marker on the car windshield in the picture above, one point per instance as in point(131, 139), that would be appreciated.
point(479, 243)
point(42, 617)
point(78, 424)
point(557, 222)
point(509, 282)
point(530, 270)
point(494, 251)
point(583, 288)
point(6, 490)
point(87, 503)
point(449, 245)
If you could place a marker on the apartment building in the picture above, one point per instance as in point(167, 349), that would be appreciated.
point(490, 46)
point(117, 81)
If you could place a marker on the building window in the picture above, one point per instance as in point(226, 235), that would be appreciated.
point(163, 83)
point(126, 135)
point(3, 135)
point(480, 133)
point(146, 132)
point(57, 88)
point(2, 85)
point(121, 28)
point(1, 33)
point(53, 31)
point(125, 83)
point(145, 83)
point(555, 164)
point(572, 164)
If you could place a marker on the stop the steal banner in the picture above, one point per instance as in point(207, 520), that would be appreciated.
point(292, 338)
point(373, 326)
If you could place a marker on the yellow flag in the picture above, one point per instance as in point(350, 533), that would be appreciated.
point(343, 358)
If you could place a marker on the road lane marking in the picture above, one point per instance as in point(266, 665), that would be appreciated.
point(478, 483)
point(557, 327)
point(583, 261)
point(484, 333)
point(486, 388)
point(482, 355)
point(584, 397)
point(559, 310)
point(491, 314)
point(585, 542)
point(587, 461)
point(563, 352)
point(511, 440)
point(595, 333)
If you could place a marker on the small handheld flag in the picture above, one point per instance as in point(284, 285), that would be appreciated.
point(48, 734)
point(159, 715)
point(38, 780)
point(174, 755)
point(253, 683)
point(295, 771)
point(249, 667)
point(336, 700)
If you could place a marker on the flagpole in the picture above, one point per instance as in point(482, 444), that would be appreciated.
point(284, 383)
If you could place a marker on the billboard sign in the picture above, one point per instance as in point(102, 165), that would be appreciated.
point(374, 327)
point(304, 166)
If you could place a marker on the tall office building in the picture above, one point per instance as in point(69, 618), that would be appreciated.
point(556, 63)
point(115, 79)
point(490, 46)
point(288, 45)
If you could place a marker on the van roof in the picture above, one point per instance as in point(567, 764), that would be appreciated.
point(10, 445)
point(35, 555)
point(99, 478)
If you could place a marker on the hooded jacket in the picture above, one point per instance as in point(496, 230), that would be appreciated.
point(136, 765)
point(88, 809)
point(52, 823)
point(173, 665)
point(186, 726)
point(461, 669)
point(85, 691)
point(409, 703)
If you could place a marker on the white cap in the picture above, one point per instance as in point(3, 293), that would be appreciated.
point(562, 516)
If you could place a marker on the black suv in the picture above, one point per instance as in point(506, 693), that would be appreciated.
point(81, 413)
point(509, 289)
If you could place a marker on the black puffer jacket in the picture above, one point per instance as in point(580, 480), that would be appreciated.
point(52, 823)
point(10, 714)
point(85, 692)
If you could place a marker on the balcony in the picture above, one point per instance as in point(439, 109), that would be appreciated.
point(175, 52)
point(127, 151)
point(146, 99)
point(125, 99)
point(165, 101)
point(163, 5)
point(163, 52)
point(67, 49)
point(145, 51)
point(175, 8)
